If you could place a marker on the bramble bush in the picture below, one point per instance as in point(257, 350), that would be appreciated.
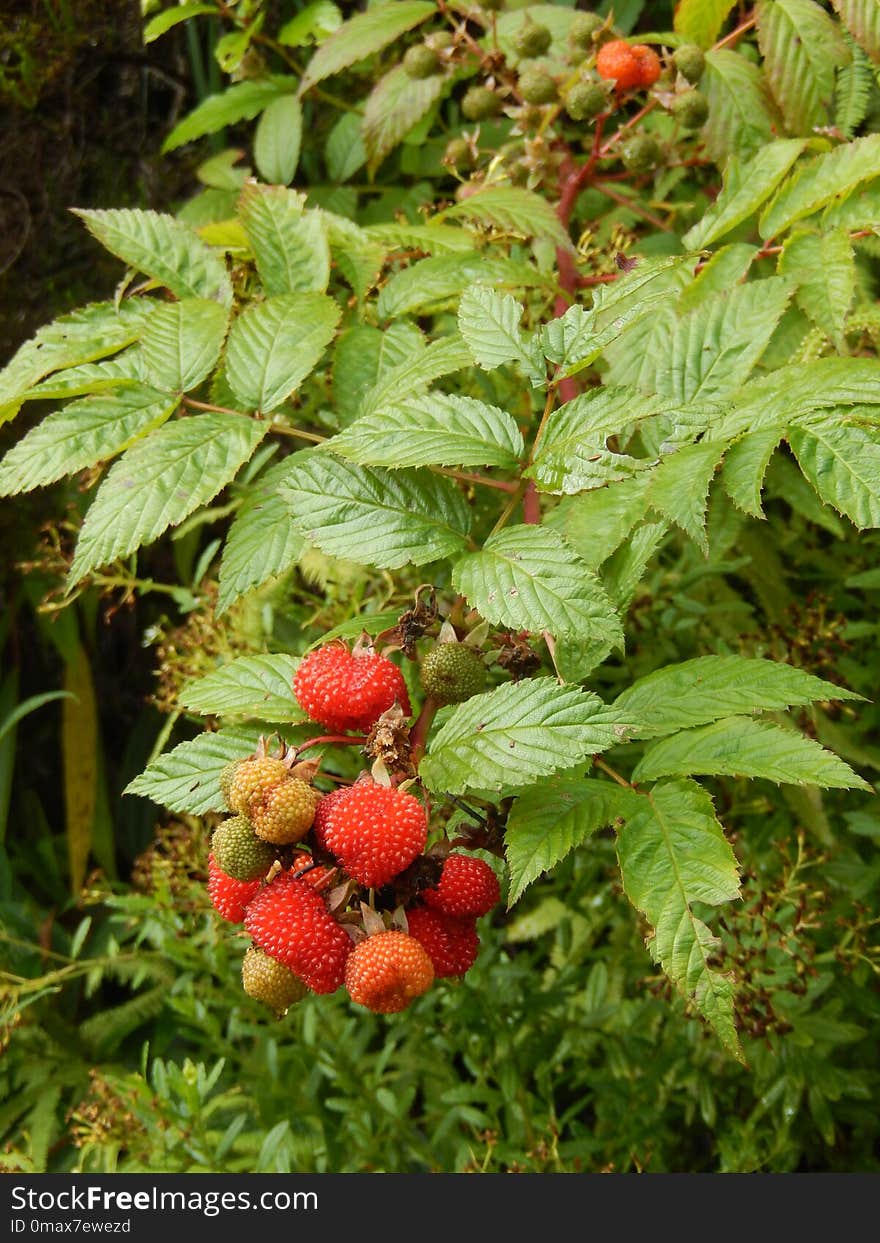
point(528, 355)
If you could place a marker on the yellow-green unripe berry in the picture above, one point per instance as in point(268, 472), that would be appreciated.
point(583, 28)
point(492, 6)
point(531, 40)
point(239, 852)
point(458, 153)
point(421, 61)
point(269, 981)
point(690, 61)
point(480, 103)
point(452, 672)
point(537, 87)
point(641, 154)
point(441, 40)
point(691, 109)
point(586, 100)
point(227, 777)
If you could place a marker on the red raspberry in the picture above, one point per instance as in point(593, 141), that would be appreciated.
point(374, 831)
point(628, 64)
point(229, 896)
point(345, 690)
point(319, 828)
point(387, 971)
point(289, 920)
point(451, 944)
point(313, 877)
point(467, 886)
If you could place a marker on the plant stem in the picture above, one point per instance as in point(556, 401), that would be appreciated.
point(419, 733)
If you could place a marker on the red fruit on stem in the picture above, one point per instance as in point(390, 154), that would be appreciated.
point(348, 690)
point(628, 64)
point(387, 971)
point(229, 897)
point(289, 921)
point(374, 831)
point(450, 943)
point(467, 887)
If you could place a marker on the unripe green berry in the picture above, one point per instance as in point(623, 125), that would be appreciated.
point(269, 981)
point(537, 87)
point(585, 100)
point(691, 109)
point(458, 153)
point(226, 779)
point(421, 61)
point(239, 852)
point(519, 173)
point(492, 6)
point(452, 672)
point(480, 103)
point(583, 28)
point(690, 61)
point(531, 40)
point(440, 40)
point(641, 154)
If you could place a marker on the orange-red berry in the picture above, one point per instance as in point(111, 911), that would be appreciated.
point(628, 64)
point(374, 831)
point(450, 943)
point(467, 887)
point(229, 897)
point(387, 971)
point(348, 690)
point(289, 920)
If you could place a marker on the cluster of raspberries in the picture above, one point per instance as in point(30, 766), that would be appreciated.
point(311, 913)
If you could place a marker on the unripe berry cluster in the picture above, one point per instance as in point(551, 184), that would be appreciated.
point(365, 905)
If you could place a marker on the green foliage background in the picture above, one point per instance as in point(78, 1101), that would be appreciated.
point(128, 1044)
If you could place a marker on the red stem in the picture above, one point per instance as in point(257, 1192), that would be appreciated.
point(343, 739)
point(419, 734)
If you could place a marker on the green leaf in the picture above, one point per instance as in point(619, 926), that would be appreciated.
point(862, 19)
point(680, 487)
point(274, 345)
point(550, 820)
point(363, 354)
point(843, 465)
point(739, 746)
point(818, 182)
point(187, 779)
point(745, 465)
point(163, 22)
point(396, 103)
point(742, 119)
point(433, 239)
point(442, 357)
point(725, 269)
point(277, 140)
point(372, 516)
point(91, 332)
point(81, 434)
point(315, 21)
point(572, 454)
point(624, 571)
point(435, 284)
point(802, 48)
point(240, 102)
point(262, 541)
point(182, 341)
point(702, 690)
point(823, 265)
point(164, 248)
point(438, 430)
point(700, 21)
point(364, 34)
point(159, 482)
point(511, 210)
point(673, 853)
point(853, 89)
point(528, 578)
point(790, 394)
point(596, 522)
point(508, 737)
point(359, 259)
point(345, 152)
point(714, 347)
point(122, 371)
point(489, 323)
point(290, 246)
point(746, 187)
point(255, 686)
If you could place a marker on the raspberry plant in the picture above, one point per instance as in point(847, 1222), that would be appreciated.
point(626, 285)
